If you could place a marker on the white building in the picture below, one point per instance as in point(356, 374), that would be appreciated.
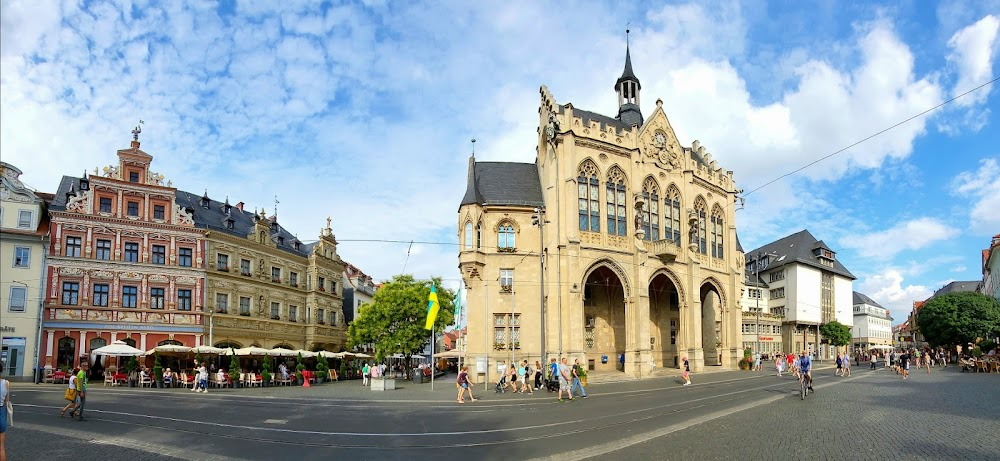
point(807, 287)
point(872, 324)
point(358, 290)
point(761, 326)
point(23, 235)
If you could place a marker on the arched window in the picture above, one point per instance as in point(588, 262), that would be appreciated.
point(505, 236)
point(227, 345)
point(672, 215)
point(718, 222)
point(67, 352)
point(616, 202)
point(700, 237)
point(170, 342)
point(651, 209)
point(98, 343)
point(468, 235)
point(479, 235)
point(587, 195)
point(129, 341)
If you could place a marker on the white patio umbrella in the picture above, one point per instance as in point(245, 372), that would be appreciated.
point(305, 354)
point(330, 355)
point(118, 349)
point(281, 353)
point(206, 350)
point(168, 349)
point(418, 356)
point(252, 351)
point(359, 355)
point(396, 356)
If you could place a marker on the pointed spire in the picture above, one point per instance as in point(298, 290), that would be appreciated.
point(628, 74)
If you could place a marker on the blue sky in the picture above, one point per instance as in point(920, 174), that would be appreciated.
point(363, 111)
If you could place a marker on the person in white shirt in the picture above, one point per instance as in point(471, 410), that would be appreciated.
point(72, 385)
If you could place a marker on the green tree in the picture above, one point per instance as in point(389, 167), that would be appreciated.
point(836, 333)
point(394, 321)
point(234, 367)
point(959, 318)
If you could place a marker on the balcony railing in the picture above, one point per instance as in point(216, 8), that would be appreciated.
point(663, 249)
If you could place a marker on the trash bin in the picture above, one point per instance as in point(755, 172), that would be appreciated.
point(417, 377)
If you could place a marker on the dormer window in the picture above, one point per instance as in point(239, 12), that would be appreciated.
point(281, 240)
point(229, 223)
point(133, 176)
point(226, 208)
point(84, 182)
point(204, 201)
point(296, 244)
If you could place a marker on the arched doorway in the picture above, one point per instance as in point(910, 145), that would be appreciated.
point(604, 317)
point(67, 350)
point(664, 320)
point(711, 324)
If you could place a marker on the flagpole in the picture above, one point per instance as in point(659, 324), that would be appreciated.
point(433, 366)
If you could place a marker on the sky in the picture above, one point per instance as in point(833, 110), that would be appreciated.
point(365, 111)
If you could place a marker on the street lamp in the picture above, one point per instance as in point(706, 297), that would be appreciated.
point(538, 219)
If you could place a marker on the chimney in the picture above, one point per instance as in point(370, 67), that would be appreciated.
point(239, 206)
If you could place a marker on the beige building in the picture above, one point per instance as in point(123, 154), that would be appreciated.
point(263, 286)
point(641, 258)
point(23, 237)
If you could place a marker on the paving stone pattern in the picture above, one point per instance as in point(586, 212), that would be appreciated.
point(944, 415)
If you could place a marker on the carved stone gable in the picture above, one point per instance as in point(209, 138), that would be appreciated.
point(658, 141)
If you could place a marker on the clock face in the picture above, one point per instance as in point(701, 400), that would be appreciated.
point(660, 139)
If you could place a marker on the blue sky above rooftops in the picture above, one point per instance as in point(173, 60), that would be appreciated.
point(364, 111)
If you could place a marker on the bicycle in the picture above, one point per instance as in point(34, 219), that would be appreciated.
point(804, 383)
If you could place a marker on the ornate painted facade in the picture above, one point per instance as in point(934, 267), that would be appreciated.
point(641, 257)
point(265, 287)
point(125, 263)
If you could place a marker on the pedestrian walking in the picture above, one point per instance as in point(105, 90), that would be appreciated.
point(4, 405)
point(502, 371)
point(756, 361)
point(525, 372)
point(927, 359)
point(202, 378)
point(904, 364)
point(779, 363)
point(463, 385)
point(789, 359)
point(70, 395)
point(847, 366)
point(513, 379)
point(553, 373)
point(81, 391)
point(564, 379)
point(687, 372)
point(577, 384)
point(538, 375)
point(366, 373)
point(840, 365)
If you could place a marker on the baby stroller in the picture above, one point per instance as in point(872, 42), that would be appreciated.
point(551, 385)
point(499, 389)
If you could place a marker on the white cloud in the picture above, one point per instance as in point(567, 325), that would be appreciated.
point(887, 288)
point(972, 51)
point(983, 188)
point(367, 114)
point(910, 235)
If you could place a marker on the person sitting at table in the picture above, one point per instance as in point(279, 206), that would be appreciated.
point(168, 377)
point(221, 377)
point(143, 374)
point(284, 370)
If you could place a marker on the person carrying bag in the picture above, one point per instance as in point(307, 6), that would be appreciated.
point(71, 394)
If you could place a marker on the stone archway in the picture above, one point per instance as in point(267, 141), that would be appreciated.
point(664, 320)
point(711, 324)
point(604, 317)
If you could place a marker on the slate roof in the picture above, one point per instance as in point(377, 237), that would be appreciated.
point(503, 183)
point(628, 74)
point(739, 246)
point(861, 298)
point(798, 248)
point(751, 280)
point(587, 116)
point(956, 287)
point(213, 218)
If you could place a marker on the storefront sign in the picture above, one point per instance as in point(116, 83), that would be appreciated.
point(7, 329)
point(767, 338)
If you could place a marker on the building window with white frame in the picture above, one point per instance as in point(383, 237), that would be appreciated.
point(588, 196)
point(275, 311)
point(506, 280)
point(468, 236)
point(777, 293)
point(505, 237)
point(672, 215)
point(18, 299)
point(506, 331)
point(244, 306)
point(617, 206)
point(22, 257)
point(24, 219)
point(293, 312)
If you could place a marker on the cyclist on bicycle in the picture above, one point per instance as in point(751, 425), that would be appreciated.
point(805, 365)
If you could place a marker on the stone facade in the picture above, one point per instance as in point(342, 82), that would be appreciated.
point(263, 290)
point(638, 233)
point(125, 263)
point(23, 236)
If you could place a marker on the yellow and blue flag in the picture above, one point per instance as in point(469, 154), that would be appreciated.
point(432, 308)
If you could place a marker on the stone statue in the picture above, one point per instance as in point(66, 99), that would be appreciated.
point(638, 220)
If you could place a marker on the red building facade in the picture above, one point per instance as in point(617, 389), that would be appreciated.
point(125, 263)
